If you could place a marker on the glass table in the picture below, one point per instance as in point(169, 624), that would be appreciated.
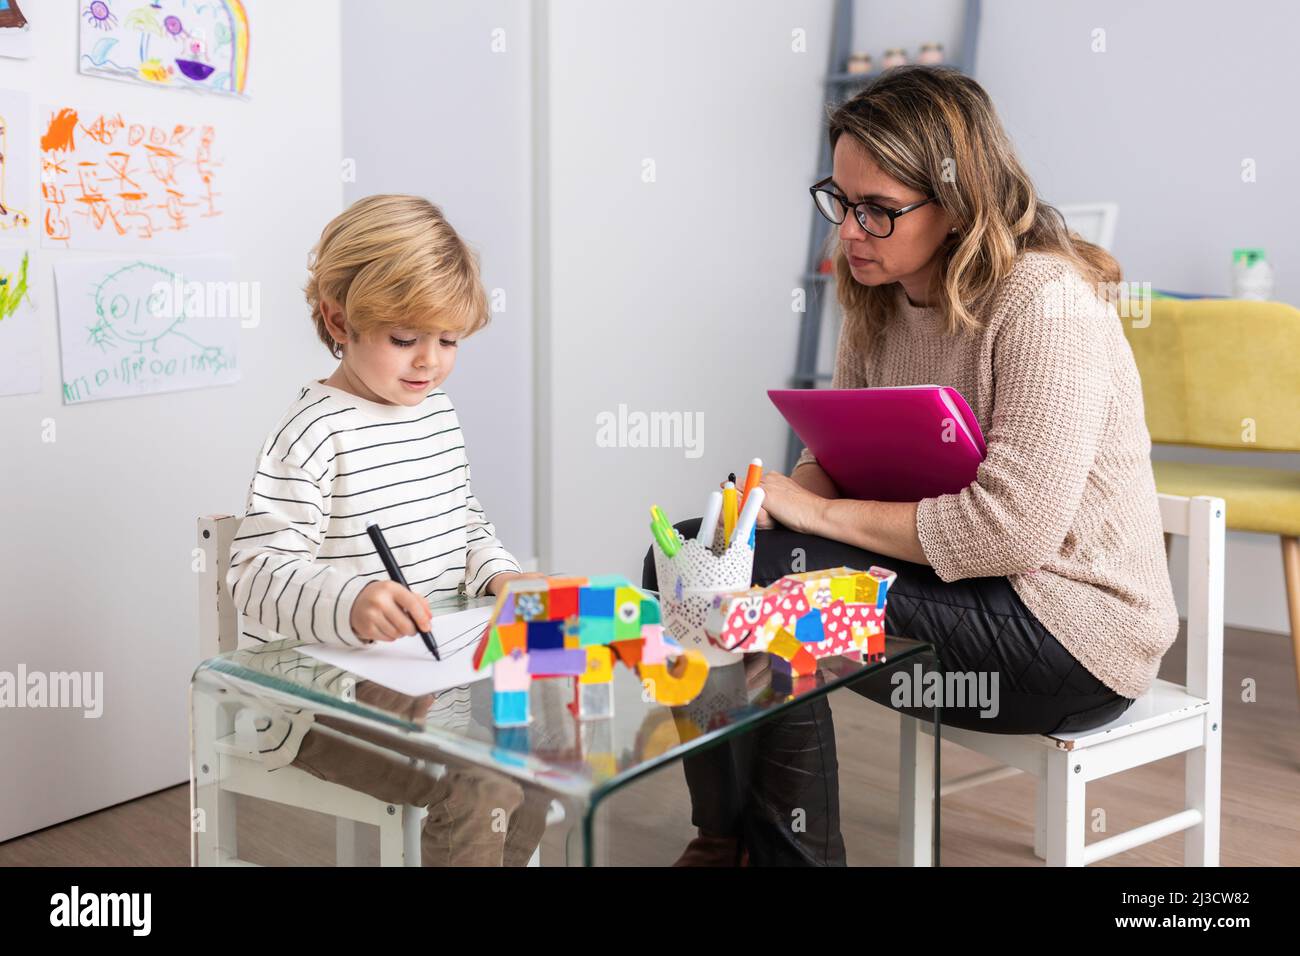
point(579, 763)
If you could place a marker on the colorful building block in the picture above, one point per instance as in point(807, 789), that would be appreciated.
point(545, 635)
point(677, 682)
point(593, 701)
point(514, 637)
point(513, 673)
point(596, 602)
point(653, 648)
point(802, 618)
point(575, 628)
point(600, 666)
point(561, 603)
point(595, 630)
point(553, 662)
point(510, 708)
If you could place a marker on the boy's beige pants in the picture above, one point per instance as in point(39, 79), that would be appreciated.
point(476, 817)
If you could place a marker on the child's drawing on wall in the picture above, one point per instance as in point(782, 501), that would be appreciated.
point(194, 44)
point(132, 327)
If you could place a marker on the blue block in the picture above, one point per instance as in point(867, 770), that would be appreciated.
point(596, 602)
point(808, 628)
point(881, 592)
point(545, 635)
point(557, 663)
point(509, 707)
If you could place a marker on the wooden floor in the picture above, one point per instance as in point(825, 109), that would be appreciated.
point(648, 824)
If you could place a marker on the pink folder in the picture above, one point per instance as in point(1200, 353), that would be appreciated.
point(887, 444)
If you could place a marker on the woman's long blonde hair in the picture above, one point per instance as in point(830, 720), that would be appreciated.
point(934, 129)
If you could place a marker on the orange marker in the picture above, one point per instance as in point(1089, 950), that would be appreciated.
point(752, 478)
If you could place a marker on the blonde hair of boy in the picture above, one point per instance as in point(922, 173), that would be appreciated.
point(394, 261)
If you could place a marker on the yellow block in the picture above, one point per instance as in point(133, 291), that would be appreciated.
point(600, 665)
point(867, 590)
point(679, 682)
point(844, 587)
point(785, 645)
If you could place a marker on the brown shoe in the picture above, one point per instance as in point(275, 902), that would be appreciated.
point(709, 850)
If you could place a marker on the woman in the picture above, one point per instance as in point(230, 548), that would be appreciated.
point(1047, 574)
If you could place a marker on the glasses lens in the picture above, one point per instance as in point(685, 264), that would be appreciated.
point(829, 206)
point(874, 220)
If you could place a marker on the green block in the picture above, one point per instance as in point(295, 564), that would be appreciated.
point(494, 651)
point(595, 630)
point(627, 614)
point(650, 612)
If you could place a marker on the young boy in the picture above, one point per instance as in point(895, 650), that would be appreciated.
point(393, 291)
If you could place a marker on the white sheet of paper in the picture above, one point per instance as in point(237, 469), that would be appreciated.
point(406, 666)
point(137, 325)
point(130, 181)
point(16, 41)
point(17, 200)
point(169, 44)
point(20, 339)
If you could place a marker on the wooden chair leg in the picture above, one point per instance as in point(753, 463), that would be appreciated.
point(1291, 574)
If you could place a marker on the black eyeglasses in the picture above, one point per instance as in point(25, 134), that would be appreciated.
point(875, 219)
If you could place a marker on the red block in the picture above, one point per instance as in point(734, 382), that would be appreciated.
point(803, 663)
point(629, 652)
point(564, 602)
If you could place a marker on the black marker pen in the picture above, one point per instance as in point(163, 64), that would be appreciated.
point(395, 572)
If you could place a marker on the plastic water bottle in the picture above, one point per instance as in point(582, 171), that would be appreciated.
point(1252, 276)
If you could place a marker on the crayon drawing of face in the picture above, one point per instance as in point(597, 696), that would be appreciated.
point(135, 304)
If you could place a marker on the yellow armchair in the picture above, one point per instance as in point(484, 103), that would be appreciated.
point(1225, 374)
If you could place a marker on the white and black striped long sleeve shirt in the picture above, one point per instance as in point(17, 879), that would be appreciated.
point(331, 465)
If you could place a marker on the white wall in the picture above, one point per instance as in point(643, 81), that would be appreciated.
point(98, 526)
point(1160, 123)
point(430, 107)
point(672, 295)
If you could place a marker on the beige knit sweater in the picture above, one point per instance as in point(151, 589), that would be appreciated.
point(1064, 503)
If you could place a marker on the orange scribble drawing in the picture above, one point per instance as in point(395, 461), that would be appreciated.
point(58, 138)
point(121, 181)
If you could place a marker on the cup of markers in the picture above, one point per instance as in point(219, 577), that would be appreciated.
point(719, 559)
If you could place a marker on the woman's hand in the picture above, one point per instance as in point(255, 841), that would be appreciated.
point(788, 503)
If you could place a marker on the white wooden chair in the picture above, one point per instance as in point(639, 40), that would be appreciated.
point(1169, 719)
point(233, 765)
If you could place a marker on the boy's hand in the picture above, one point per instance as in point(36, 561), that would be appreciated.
point(497, 583)
point(384, 610)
